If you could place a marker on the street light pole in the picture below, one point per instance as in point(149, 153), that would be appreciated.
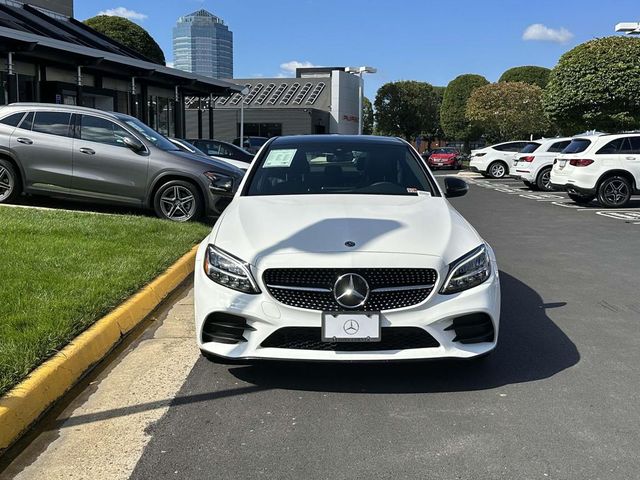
point(360, 71)
point(244, 93)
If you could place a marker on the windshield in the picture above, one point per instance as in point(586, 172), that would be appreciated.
point(150, 134)
point(445, 150)
point(340, 168)
point(577, 145)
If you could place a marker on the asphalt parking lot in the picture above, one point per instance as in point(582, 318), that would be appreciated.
point(558, 399)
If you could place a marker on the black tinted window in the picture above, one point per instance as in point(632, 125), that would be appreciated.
point(13, 120)
point(635, 145)
point(358, 168)
point(510, 147)
point(530, 147)
point(100, 130)
point(578, 145)
point(559, 146)
point(27, 123)
point(54, 123)
point(612, 147)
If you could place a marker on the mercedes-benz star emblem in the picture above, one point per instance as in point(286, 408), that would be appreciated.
point(351, 290)
point(351, 327)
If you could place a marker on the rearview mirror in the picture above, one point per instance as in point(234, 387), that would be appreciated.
point(134, 144)
point(455, 187)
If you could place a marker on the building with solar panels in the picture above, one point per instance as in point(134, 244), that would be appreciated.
point(317, 101)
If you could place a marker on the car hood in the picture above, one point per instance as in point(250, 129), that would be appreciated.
point(219, 165)
point(445, 156)
point(255, 227)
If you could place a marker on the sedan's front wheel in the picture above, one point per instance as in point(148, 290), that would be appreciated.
point(178, 201)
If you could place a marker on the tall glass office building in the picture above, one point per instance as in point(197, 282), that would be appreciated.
point(203, 44)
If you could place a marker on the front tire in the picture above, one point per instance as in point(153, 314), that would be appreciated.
point(10, 187)
point(498, 170)
point(178, 201)
point(614, 192)
point(543, 181)
point(581, 199)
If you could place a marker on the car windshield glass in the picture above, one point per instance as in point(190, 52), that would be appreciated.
point(324, 168)
point(150, 134)
point(445, 150)
point(530, 148)
point(577, 145)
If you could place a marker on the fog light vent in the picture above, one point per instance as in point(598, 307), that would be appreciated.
point(473, 328)
point(224, 328)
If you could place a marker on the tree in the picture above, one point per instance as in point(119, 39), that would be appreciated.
point(406, 109)
point(508, 111)
point(128, 34)
point(436, 132)
point(528, 74)
point(596, 86)
point(367, 117)
point(453, 117)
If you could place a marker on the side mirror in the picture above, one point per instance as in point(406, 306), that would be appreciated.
point(455, 187)
point(134, 144)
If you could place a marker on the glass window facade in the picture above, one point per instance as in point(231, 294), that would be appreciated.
point(203, 44)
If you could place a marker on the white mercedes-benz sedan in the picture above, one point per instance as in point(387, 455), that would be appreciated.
point(344, 248)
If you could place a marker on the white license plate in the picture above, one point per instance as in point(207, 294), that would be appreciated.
point(350, 327)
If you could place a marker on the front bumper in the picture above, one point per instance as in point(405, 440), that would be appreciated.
point(264, 316)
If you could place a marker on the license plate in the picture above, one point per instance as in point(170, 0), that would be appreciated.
point(439, 164)
point(350, 327)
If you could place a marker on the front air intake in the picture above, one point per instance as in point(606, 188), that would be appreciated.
point(224, 328)
point(473, 328)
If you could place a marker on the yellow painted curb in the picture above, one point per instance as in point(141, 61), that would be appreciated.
point(25, 403)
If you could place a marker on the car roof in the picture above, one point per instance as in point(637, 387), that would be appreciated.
point(336, 139)
point(61, 107)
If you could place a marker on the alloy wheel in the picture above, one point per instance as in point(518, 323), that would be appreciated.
point(7, 183)
point(498, 170)
point(178, 203)
point(545, 180)
point(616, 192)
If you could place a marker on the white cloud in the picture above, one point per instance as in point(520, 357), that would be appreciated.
point(289, 68)
point(542, 33)
point(123, 12)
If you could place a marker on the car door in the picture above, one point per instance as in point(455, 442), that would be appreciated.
point(103, 166)
point(43, 145)
point(630, 157)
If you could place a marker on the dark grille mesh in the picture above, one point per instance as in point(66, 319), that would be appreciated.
point(326, 278)
point(392, 338)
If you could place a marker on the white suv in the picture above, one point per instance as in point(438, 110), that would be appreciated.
point(606, 167)
point(533, 165)
point(496, 161)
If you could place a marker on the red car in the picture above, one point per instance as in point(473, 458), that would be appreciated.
point(445, 158)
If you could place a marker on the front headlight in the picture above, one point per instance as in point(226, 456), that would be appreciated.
point(219, 183)
point(468, 271)
point(229, 271)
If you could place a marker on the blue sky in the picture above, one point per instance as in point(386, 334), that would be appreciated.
point(405, 39)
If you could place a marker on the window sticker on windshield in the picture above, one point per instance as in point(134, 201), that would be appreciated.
point(412, 190)
point(280, 158)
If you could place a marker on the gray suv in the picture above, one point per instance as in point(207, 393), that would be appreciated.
point(77, 152)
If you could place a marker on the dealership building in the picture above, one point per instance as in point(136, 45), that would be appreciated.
point(317, 101)
point(48, 56)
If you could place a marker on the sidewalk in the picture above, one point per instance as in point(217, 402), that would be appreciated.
point(103, 432)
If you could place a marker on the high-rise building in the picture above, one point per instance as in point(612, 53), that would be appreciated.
point(203, 44)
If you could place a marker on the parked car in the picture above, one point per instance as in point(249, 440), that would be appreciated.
point(446, 157)
point(251, 144)
point(217, 148)
point(496, 161)
point(361, 259)
point(603, 167)
point(188, 147)
point(82, 153)
point(533, 164)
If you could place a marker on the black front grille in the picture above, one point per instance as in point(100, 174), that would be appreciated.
point(411, 286)
point(309, 338)
point(473, 328)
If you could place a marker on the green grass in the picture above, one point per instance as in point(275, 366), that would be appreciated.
point(61, 271)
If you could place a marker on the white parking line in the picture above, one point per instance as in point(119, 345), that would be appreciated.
point(618, 215)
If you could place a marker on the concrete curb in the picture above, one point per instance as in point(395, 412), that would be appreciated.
point(26, 402)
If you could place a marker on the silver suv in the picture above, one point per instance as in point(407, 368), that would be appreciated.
point(82, 153)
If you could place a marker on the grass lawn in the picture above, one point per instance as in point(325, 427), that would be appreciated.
point(61, 271)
